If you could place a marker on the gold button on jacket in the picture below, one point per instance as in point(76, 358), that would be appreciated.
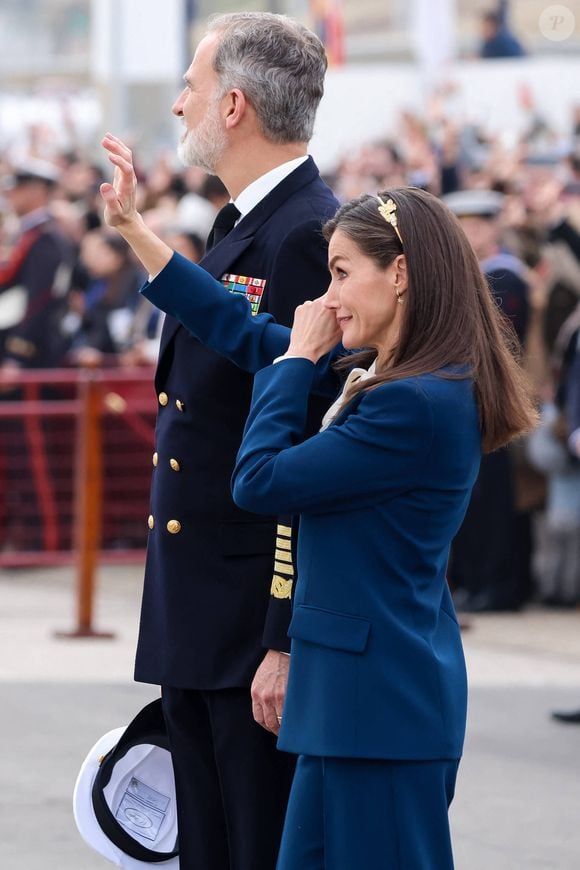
point(174, 464)
point(151, 521)
point(173, 526)
point(163, 398)
point(155, 459)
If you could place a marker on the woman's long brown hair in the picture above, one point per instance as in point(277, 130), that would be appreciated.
point(450, 318)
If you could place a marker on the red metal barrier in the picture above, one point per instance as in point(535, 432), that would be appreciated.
point(75, 460)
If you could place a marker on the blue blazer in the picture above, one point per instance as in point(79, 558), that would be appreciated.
point(377, 668)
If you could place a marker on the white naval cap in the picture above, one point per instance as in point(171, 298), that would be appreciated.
point(475, 203)
point(124, 797)
point(29, 170)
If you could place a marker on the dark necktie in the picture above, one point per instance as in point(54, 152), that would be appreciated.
point(224, 222)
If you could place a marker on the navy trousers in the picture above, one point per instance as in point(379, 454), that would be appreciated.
point(231, 782)
point(378, 815)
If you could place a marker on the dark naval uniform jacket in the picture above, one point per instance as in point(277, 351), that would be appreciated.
point(207, 614)
point(33, 283)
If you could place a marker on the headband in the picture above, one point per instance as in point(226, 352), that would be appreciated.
point(388, 210)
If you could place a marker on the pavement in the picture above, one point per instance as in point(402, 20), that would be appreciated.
point(517, 805)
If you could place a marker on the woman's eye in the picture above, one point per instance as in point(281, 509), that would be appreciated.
point(341, 273)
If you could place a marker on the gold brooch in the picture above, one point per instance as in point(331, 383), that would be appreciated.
point(388, 210)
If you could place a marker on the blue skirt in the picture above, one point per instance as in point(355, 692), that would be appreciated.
point(361, 814)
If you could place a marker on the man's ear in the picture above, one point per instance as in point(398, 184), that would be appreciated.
point(235, 106)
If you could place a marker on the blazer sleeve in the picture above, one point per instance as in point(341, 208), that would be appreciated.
point(224, 321)
point(379, 450)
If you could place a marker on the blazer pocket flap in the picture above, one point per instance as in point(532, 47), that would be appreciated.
point(328, 628)
point(247, 539)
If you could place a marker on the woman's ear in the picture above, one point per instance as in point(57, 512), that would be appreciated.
point(400, 273)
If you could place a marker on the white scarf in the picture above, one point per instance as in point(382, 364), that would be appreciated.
point(336, 407)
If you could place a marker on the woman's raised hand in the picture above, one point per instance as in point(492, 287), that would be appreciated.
point(315, 330)
point(119, 197)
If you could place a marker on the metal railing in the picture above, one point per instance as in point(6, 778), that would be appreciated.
point(75, 459)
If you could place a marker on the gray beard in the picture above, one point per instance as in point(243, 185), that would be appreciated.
point(205, 150)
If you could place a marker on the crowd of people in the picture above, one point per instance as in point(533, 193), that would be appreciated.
point(69, 297)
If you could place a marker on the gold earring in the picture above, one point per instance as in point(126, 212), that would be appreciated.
point(399, 294)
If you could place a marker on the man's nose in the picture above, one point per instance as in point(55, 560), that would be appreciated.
point(177, 107)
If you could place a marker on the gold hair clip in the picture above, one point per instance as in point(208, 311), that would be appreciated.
point(388, 210)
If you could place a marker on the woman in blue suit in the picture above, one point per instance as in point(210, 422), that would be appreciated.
point(376, 700)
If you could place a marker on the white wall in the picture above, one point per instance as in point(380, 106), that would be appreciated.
point(362, 103)
point(133, 35)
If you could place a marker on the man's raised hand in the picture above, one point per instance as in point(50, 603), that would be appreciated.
point(119, 197)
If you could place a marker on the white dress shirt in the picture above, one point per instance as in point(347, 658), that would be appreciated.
point(353, 376)
point(261, 187)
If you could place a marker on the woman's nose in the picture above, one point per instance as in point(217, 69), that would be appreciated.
point(330, 297)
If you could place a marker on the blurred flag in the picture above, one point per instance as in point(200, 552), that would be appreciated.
point(328, 24)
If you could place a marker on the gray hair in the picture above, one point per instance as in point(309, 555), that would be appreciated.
point(278, 64)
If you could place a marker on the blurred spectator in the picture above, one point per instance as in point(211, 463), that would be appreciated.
point(490, 563)
point(569, 401)
point(555, 449)
point(572, 398)
point(197, 209)
point(79, 184)
point(35, 277)
point(498, 40)
point(148, 321)
point(101, 316)
point(214, 190)
point(196, 214)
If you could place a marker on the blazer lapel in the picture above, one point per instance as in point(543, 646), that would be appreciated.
point(217, 260)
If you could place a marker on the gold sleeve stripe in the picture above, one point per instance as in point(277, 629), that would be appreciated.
point(283, 568)
point(281, 588)
point(283, 543)
point(283, 556)
point(285, 531)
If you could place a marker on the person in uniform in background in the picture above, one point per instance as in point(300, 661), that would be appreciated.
point(491, 554)
point(35, 277)
point(208, 629)
point(34, 280)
